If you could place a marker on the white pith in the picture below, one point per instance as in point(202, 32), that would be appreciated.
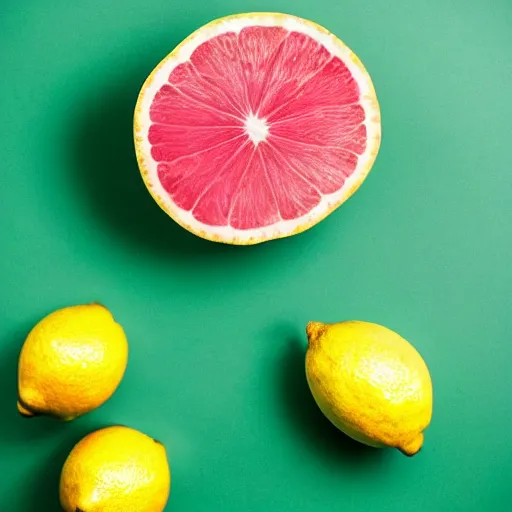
point(256, 128)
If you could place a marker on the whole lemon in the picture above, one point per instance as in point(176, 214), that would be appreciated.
point(71, 362)
point(116, 469)
point(370, 383)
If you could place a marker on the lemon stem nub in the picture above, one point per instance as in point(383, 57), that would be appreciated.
point(314, 330)
point(412, 447)
point(26, 413)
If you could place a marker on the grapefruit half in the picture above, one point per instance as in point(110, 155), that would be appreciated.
point(256, 127)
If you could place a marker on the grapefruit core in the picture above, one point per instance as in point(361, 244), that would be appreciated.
point(256, 127)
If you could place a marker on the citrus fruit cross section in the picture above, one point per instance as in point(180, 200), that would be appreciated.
point(256, 127)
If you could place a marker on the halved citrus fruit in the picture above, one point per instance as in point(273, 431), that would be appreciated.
point(256, 127)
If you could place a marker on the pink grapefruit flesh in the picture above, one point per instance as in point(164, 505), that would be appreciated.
point(256, 127)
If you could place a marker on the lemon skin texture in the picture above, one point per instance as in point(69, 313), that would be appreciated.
point(71, 362)
point(116, 469)
point(370, 383)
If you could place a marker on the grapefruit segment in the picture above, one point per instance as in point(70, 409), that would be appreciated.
point(295, 195)
point(256, 127)
point(326, 169)
point(331, 85)
point(319, 129)
point(218, 59)
point(187, 178)
point(254, 205)
point(173, 108)
point(219, 189)
point(300, 58)
point(258, 51)
point(190, 83)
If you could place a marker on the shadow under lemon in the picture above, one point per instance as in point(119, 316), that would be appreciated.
point(13, 427)
point(321, 436)
point(35, 434)
point(45, 479)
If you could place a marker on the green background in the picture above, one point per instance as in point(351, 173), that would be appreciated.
point(217, 332)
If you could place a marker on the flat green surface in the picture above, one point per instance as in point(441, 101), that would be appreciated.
point(216, 333)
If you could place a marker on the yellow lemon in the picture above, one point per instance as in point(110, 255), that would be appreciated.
point(370, 383)
point(116, 469)
point(71, 362)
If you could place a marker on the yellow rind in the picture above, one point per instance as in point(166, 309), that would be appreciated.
point(116, 469)
point(24, 411)
point(371, 151)
point(351, 370)
point(53, 383)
